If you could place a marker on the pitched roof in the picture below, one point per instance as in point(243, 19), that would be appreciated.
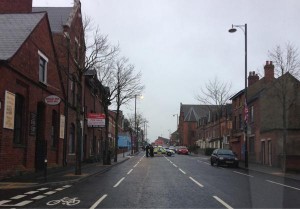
point(14, 30)
point(192, 113)
point(58, 16)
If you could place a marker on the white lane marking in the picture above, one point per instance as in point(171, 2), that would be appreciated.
point(136, 164)
point(98, 202)
point(17, 197)
point(223, 203)
point(182, 171)
point(273, 182)
point(42, 189)
point(60, 189)
point(67, 186)
point(49, 193)
point(31, 192)
point(38, 197)
point(129, 171)
point(243, 174)
point(206, 163)
point(200, 185)
point(119, 182)
point(174, 165)
point(20, 204)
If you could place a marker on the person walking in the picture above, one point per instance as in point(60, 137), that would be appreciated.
point(151, 151)
point(147, 150)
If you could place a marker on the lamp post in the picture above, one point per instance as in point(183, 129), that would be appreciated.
point(135, 124)
point(244, 29)
point(176, 128)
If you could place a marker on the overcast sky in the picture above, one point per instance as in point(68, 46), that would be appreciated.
point(179, 45)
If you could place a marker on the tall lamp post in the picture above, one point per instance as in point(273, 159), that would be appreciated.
point(135, 124)
point(244, 29)
point(176, 128)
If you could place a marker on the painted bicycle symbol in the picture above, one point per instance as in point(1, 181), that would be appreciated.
point(65, 201)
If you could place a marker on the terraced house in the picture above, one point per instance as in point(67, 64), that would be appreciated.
point(41, 50)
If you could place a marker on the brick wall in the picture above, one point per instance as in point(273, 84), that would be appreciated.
point(15, 6)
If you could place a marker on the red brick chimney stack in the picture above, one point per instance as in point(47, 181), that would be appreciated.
point(269, 71)
point(15, 6)
point(252, 78)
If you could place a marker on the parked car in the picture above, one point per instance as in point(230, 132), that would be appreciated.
point(224, 157)
point(183, 151)
point(169, 151)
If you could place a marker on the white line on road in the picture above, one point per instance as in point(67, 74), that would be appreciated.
point(136, 164)
point(38, 197)
point(98, 202)
point(175, 165)
point(119, 182)
point(42, 189)
point(273, 182)
point(129, 171)
point(18, 197)
point(31, 192)
point(182, 171)
point(206, 163)
point(243, 174)
point(222, 202)
point(200, 185)
point(50, 193)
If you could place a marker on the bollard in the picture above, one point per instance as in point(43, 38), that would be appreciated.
point(45, 169)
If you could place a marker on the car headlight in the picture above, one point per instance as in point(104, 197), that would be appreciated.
point(221, 158)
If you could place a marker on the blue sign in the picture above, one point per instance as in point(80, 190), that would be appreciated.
point(124, 141)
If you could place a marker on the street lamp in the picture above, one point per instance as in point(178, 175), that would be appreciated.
point(176, 128)
point(244, 29)
point(135, 124)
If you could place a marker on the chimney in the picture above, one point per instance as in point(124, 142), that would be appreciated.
point(15, 6)
point(252, 78)
point(269, 71)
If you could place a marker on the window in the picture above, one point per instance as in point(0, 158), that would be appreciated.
point(43, 60)
point(72, 139)
point(54, 129)
point(19, 119)
point(251, 145)
point(73, 91)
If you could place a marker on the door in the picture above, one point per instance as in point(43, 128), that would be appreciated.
point(263, 155)
point(270, 152)
point(40, 143)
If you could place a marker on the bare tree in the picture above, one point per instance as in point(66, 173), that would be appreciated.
point(286, 62)
point(128, 85)
point(215, 95)
point(98, 53)
point(215, 92)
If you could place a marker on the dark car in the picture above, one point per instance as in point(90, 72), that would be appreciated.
point(224, 157)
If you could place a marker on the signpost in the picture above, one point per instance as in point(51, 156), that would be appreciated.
point(96, 120)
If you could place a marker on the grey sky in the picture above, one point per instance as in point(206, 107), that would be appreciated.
point(179, 45)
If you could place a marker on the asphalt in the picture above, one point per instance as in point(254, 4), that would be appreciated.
point(66, 175)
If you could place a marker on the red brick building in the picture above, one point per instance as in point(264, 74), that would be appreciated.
point(29, 74)
point(265, 119)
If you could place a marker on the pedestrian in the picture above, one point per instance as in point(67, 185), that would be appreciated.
point(151, 151)
point(147, 150)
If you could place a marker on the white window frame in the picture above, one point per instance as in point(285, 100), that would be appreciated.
point(41, 55)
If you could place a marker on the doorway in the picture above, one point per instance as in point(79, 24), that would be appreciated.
point(40, 142)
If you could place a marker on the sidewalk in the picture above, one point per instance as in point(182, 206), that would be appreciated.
point(59, 176)
point(262, 168)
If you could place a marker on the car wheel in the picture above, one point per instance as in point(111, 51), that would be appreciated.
point(218, 163)
point(211, 163)
point(169, 153)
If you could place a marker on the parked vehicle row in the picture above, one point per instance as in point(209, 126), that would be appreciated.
point(224, 157)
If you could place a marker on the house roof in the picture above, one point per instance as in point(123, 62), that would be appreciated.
point(192, 113)
point(14, 30)
point(58, 16)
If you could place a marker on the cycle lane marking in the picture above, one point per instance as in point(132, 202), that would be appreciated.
point(98, 201)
